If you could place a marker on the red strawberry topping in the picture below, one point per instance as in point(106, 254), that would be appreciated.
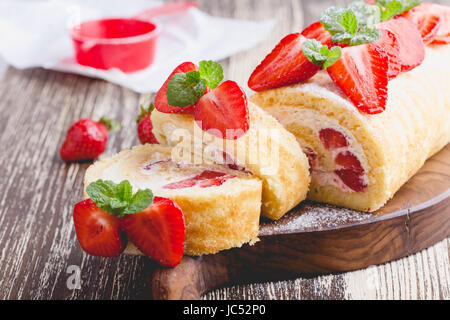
point(361, 73)
point(348, 160)
point(98, 232)
point(332, 139)
point(161, 99)
point(223, 111)
point(351, 173)
point(427, 21)
point(443, 34)
point(411, 47)
point(207, 178)
point(390, 45)
point(285, 65)
point(158, 231)
point(145, 126)
point(353, 179)
point(318, 32)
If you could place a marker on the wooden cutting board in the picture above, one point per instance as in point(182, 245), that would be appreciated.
point(315, 238)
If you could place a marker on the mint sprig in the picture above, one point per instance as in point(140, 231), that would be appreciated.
point(320, 54)
point(184, 89)
point(354, 25)
point(118, 199)
point(211, 72)
point(392, 8)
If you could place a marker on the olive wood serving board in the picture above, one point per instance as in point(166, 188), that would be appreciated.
point(315, 239)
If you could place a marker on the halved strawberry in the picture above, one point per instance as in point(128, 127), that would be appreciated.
point(348, 160)
point(285, 65)
point(223, 111)
point(318, 32)
point(351, 171)
point(161, 99)
point(411, 47)
point(207, 178)
point(158, 231)
point(425, 19)
point(443, 34)
point(352, 178)
point(98, 232)
point(390, 45)
point(362, 74)
point(332, 139)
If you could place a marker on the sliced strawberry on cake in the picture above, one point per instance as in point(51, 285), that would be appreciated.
point(362, 74)
point(410, 45)
point(285, 65)
point(223, 111)
point(161, 99)
point(158, 231)
point(221, 206)
point(317, 31)
point(427, 21)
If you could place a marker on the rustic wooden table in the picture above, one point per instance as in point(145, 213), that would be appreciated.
point(39, 254)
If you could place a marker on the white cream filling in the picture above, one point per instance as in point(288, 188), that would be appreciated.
point(158, 172)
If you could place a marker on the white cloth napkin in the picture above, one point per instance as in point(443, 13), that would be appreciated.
point(36, 34)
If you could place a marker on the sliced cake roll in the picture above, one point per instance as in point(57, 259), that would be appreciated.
point(221, 205)
point(266, 150)
point(360, 160)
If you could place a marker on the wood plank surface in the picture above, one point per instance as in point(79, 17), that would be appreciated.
point(38, 248)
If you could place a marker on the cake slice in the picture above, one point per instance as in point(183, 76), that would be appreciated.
point(266, 150)
point(360, 160)
point(221, 205)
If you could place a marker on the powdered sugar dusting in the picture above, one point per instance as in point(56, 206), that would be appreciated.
point(313, 217)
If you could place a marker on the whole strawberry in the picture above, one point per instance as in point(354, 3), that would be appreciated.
point(86, 139)
point(145, 126)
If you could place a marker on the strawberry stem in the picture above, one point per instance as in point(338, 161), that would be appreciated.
point(145, 111)
point(110, 123)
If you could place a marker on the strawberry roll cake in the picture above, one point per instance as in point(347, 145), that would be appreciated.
point(266, 149)
point(221, 206)
point(372, 116)
point(221, 127)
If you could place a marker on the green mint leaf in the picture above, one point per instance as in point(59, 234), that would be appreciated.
point(409, 4)
point(348, 21)
point(312, 49)
point(366, 14)
point(392, 8)
point(333, 55)
point(102, 192)
point(140, 200)
point(331, 18)
point(354, 25)
point(366, 35)
point(193, 77)
point(124, 191)
point(211, 72)
point(343, 37)
point(118, 199)
point(183, 90)
point(319, 54)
